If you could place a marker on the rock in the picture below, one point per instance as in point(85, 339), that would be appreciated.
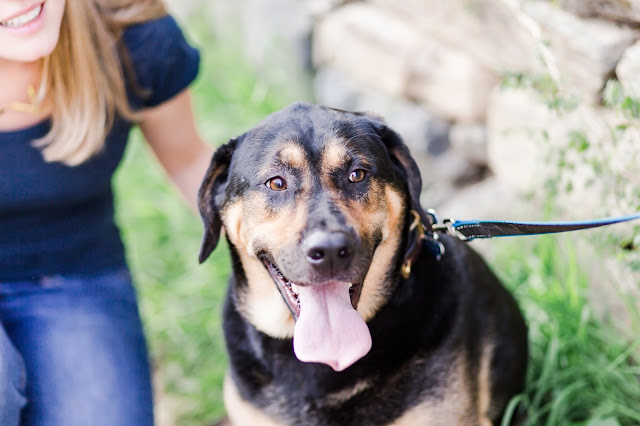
point(628, 71)
point(277, 32)
point(449, 82)
point(448, 167)
point(586, 50)
point(493, 34)
point(586, 154)
point(319, 8)
point(334, 89)
point(515, 145)
point(349, 39)
point(614, 291)
point(401, 61)
point(488, 199)
point(470, 140)
point(485, 30)
point(438, 135)
point(621, 10)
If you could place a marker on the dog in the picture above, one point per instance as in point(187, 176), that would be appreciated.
point(341, 309)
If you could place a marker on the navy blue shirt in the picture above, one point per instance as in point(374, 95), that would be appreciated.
point(56, 219)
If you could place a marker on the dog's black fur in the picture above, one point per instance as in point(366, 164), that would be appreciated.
point(448, 342)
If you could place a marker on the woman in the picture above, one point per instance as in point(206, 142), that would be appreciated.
point(74, 76)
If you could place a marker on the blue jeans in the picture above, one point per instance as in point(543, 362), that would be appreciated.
point(82, 343)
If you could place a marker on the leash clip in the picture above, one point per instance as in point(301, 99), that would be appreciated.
point(447, 226)
point(433, 239)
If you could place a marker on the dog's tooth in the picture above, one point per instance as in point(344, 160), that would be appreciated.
point(294, 288)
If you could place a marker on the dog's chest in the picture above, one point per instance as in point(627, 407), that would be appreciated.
point(400, 400)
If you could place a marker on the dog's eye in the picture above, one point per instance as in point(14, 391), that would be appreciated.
point(277, 184)
point(357, 176)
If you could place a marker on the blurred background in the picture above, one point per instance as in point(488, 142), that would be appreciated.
point(515, 110)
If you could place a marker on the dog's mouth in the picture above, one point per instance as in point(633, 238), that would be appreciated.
point(328, 328)
point(291, 291)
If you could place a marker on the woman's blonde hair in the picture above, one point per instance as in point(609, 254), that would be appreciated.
point(84, 77)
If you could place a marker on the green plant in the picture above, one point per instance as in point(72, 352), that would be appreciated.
point(582, 370)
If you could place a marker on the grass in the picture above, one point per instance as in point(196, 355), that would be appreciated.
point(581, 372)
point(180, 300)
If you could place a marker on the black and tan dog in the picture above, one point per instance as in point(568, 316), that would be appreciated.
point(338, 311)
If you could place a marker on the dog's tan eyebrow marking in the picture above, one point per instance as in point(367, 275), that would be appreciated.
point(334, 154)
point(292, 155)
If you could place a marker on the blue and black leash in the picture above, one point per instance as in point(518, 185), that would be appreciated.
point(468, 230)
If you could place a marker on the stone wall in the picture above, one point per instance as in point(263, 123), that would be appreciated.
point(448, 58)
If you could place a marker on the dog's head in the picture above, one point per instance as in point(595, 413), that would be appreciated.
point(314, 203)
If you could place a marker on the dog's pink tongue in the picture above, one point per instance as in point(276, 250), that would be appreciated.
point(328, 329)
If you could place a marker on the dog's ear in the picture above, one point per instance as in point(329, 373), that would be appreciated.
point(213, 184)
point(402, 160)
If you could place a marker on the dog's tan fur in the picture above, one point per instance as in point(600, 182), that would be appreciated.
point(240, 412)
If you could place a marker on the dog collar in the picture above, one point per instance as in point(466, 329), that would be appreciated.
point(421, 234)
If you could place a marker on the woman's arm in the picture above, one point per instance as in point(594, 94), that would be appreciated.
point(170, 130)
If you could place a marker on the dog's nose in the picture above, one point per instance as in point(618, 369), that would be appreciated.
point(329, 251)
